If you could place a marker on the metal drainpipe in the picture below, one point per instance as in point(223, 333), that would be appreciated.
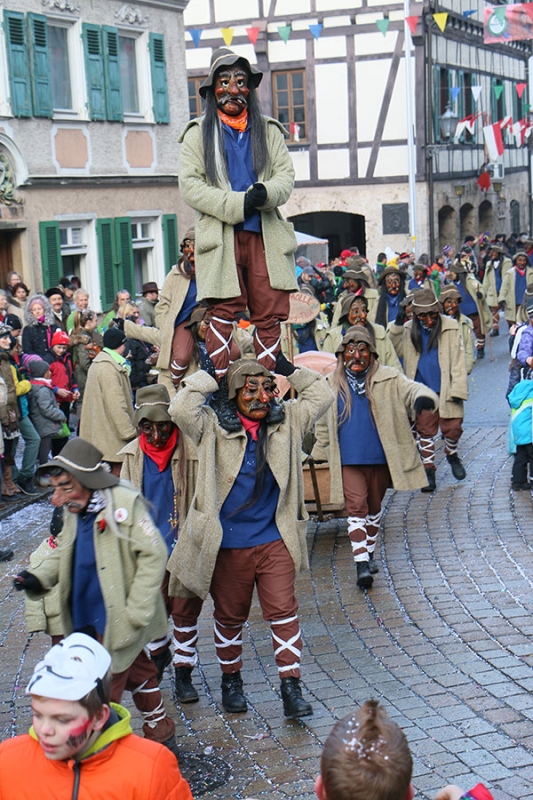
point(429, 126)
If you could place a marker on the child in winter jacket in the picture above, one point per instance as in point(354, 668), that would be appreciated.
point(521, 434)
point(45, 414)
point(63, 380)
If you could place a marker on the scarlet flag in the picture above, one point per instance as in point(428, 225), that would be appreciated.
point(494, 140)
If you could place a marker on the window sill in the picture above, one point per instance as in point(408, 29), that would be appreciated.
point(137, 119)
point(75, 116)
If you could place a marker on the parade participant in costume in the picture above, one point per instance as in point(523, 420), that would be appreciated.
point(235, 170)
point(450, 299)
point(494, 270)
point(434, 355)
point(354, 311)
point(514, 284)
point(81, 744)
point(392, 292)
point(420, 279)
point(473, 305)
point(247, 521)
point(108, 524)
point(156, 463)
point(367, 440)
point(355, 282)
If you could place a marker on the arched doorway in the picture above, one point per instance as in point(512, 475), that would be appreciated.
point(342, 230)
point(447, 226)
point(514, 211)
point(467, 221)
point(486, 217)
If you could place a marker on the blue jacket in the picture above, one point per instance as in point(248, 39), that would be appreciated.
point(521, 402)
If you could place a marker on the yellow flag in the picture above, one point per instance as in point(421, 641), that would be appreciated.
point(227, 35)
point(441, 20)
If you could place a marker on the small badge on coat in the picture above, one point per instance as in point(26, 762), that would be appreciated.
point(121, 515)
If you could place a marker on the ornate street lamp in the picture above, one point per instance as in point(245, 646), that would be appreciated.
point(448, 123)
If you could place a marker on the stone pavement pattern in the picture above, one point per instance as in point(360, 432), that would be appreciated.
point(443, 639)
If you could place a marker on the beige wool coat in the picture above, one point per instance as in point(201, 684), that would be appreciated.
point(220, 456)
point(130, 559)
point(452, 362)
point(467, 329)
point(507, 292)
point(489, 280)
point(386, 352)
point(107, 410)
point(394, 397)
point(219, 209)
point(473, 287)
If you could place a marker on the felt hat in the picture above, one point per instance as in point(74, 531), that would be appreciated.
point(83, 461)
point(151, 403)
point(520, 253)
point(450, 293)
point(458, 267)
point(355, 335)
point(197, 316)
point(60, 337)
point(424, 301)
point(224, 57)
point(355, 275)
point(151, 286)
point(347, 301)
point(113, 338)
point(71, 669)
point(390, 271)
point(496, 247)
point(421, 266)
point(190, 235)
point(242, 369)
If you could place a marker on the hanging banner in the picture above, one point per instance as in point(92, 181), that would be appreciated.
point(508, 23)
point(412, 22)
point(227, 35)
point(316, 30)
point(383, 25)
point(284, 31)
point(196, 35)
point(441, 19)
point(253, 33)
point(493, 140)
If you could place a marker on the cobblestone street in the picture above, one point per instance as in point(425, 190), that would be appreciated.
point(443, 639)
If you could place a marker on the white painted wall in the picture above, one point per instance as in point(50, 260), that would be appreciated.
point(294, 50)
point(232, 9)
point(333, 164)
point(331, 103)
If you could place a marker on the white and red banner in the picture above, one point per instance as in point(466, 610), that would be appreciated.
point(494, 140)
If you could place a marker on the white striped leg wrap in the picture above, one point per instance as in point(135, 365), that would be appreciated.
point(185, 652)
point(355, 525)
point(373, 522)
point(267, 352)
point(221, 642)
point(427, 450)
point(450, 446)
point(157, 644)
point(225, 343)
point(287, 645)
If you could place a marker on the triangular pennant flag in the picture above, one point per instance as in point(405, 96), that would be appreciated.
point(493, 140)
point(526, 108)
point(227, 35)
point(441, 19)
point(412, 22)
point(520, 89)
point(499, 13)
point(461, 125)
point(476, 91)
point(316, 30)
point(383, 25)
point(284, 31)
point(253, 33)
point(507, 122)
point(454, 91)
point(196, 35)
point(467, 14)
point(498, 92)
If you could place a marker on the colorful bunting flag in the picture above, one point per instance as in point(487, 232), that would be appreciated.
point(467, 14)
point(253, 33)
point(196, 35)
point(498, 92)
point(493, 140)
point(227, 35)
point(476, 92)
point(526, 108)
point(520, 89)
point(454, 91)
point(441, 19)
point(506, 122)
point(316, 30)
point(383, 25)
point(412, 22)
point(284, 31)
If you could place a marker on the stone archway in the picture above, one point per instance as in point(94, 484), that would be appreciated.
point(447, 226)
point(342, 230)
point(486, 217)
point(467, 221)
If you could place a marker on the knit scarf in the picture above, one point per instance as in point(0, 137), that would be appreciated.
point(521, 272)
point(239, 123)
point(159, 455)
point(250, 426)
point(97, 503)
point(356, 381)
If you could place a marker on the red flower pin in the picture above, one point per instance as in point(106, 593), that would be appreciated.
point(101, 525)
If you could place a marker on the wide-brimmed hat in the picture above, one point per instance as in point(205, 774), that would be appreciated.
point(458, 267)
point(391, 271)
point(357, 334)
point(224, 57)
point(151, 286)
point(425, 301)
point(450, 293)
point(197, 316)
point(242, 369)
point(421, 266)
point(190, 235)
point(83, 461)
point(493, 246)
point(355, 275)
point(151, 403)
point(520, 253)
point(347, 301)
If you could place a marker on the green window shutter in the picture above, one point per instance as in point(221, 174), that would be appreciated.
point(40, 65)
point(113, 86)
point(107, 261)
point(94, 70)
point(170, 239)
point(126, 273)
point(19, 64)
point(50, 253)
point(159, 77)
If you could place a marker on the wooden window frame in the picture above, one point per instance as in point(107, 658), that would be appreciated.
point(197, 97)
point(289, 73)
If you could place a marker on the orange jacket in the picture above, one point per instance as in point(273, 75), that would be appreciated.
point(120, 766)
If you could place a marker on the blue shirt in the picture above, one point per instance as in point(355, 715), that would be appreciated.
point(189, 304)
point(359, 440)
point(158, 488)
point(248, 527)
point(241, 173)
point(468, 306)
point(86, 600)
point(428, 370)
point(393, 306)
point(519, 287)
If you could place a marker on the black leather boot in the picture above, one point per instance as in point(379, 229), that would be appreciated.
point(364, 578)
point(185, 691)
point(161, 662)
point(372, 566)
point(224, 408)
point(276, 413)
point(458, 471)
point(233, 698)
point(293, 703)
point(431, 475)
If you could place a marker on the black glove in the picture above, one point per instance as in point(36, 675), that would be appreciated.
point(283, 366)
point(401, 317)
point(254, 198)
point(423, 404)
point(118, 322)
point(25, 580)
point(479, 295)
point(457, 400)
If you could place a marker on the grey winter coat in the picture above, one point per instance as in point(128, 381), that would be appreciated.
point(45, 414)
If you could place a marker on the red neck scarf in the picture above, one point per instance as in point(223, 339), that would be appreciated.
point(161, 455)
point(250, 426)
point(240, 123)
point(521, 271)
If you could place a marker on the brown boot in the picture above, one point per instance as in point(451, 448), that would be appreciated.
point(8, 483)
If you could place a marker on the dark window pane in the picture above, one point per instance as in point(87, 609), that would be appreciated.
point(297, 80)
point(298, 98)
point(281, 80)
